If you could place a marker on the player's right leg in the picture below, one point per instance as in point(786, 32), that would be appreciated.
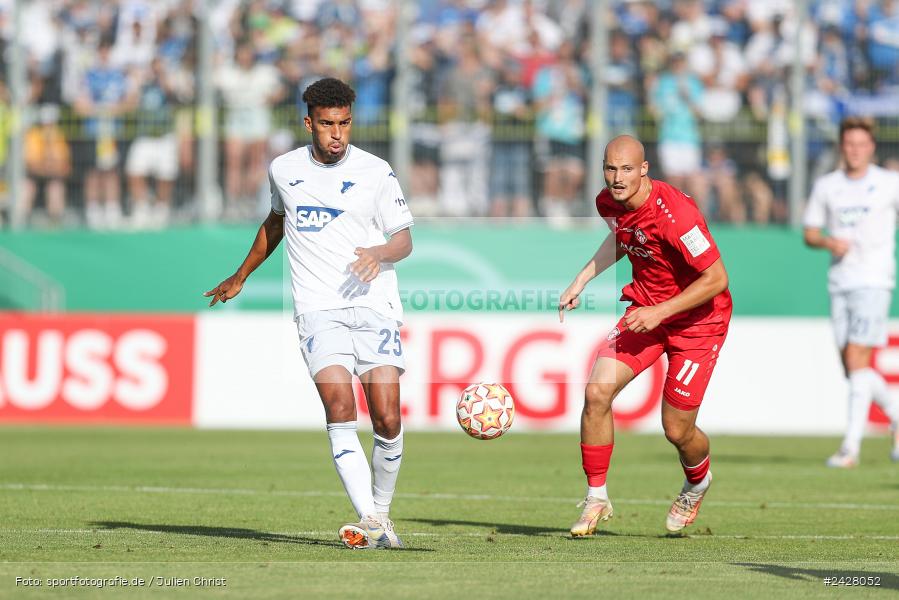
point(624, 355)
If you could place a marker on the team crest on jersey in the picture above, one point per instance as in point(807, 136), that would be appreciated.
point(346, 185)
point(641, 237)
point(315, 218)
point(613, 334)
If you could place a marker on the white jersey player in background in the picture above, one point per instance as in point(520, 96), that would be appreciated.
point(857, 206)
point(336, 205)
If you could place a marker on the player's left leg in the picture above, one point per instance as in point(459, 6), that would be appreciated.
point(382, 392)
point(865, 329)
point(693, 448)
point(691, 362)
point(379, 364)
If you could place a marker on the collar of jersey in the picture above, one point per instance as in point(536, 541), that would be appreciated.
point(346, 155)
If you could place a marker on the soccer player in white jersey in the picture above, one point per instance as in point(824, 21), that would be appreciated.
point(346, 223)
point(857, 205)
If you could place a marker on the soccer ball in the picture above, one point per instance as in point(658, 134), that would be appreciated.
point(485, 410)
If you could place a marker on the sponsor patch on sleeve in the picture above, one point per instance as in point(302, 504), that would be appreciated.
point(695, 241)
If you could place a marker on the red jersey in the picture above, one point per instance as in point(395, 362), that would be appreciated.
point(669, 245)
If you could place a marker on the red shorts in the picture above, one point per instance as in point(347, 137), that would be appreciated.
point(691, 358)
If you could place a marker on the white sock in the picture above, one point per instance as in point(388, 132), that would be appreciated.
point(352, 466)
point(386, 457)
point(860, 384)
point(880, 393)
point(700, 486)
point(598, 492)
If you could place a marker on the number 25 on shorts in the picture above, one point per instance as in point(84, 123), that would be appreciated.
point(398, 345)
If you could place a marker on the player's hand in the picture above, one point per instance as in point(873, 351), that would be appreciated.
point(838, 247)
point(645, 318)
point(569, 300)
point(367, 266)
point(225, 290)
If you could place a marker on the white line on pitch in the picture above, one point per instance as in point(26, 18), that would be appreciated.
point(43, 487)
point(328, 534)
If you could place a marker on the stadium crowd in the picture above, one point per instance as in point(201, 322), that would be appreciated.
point(499, 103)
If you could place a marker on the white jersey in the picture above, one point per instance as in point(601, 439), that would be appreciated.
point(862, 212)
point(329, 211)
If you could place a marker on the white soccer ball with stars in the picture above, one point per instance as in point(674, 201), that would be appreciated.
point(485, 410)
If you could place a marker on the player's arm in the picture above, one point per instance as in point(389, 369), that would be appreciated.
point(267, 239)
point(606, 256)
point(816, 238)
point(368, 265)
point(711, 282)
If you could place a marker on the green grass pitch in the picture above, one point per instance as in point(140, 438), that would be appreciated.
point(481, 519)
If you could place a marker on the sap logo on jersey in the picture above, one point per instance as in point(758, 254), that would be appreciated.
point(315, 218)
point(849, 216)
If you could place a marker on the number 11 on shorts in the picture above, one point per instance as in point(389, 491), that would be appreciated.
point(688, 370)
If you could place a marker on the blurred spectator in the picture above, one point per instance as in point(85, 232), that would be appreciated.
point(675, 101)
point(693, 25)
point(560, 93)
point(734, 14)
point(832, 69)
point(182, 81)
point(154, 152)
point(510, 162)
point(502, 24)
point(720, 65)
point(48, 164)
point(371, 78)
point(534, 57)
point(719, 187)
point(464, 112)
point(424, 180)
point(337, 12)
point(622, 80)
point(135, 47)
point(106, 93)
point(572, 17)
point(638, 17)
point(883, 48)
point(248, 91)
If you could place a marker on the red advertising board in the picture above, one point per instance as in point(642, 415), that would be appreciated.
point(96, 368)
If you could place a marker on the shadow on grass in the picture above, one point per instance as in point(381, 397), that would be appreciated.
point(530, 530)
point(888, 581)
point(493, 527)
point(232, 533)
point(749, 459)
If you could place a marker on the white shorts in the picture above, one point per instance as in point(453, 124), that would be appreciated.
point(153, 157)
point(860, 317)
point(248, 124)
point(679, 158)
point(356, 338)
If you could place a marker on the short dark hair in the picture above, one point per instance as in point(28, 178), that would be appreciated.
point(850, 123)
point(328, 93)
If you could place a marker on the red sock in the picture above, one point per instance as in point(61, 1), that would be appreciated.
point(697, 473)
point(596, 463)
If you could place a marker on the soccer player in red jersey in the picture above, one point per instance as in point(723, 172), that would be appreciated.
point(680, 306)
